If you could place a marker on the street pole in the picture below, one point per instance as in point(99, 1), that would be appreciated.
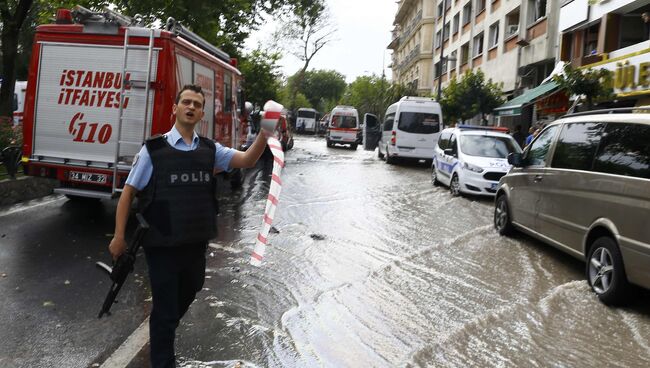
point(442, 47)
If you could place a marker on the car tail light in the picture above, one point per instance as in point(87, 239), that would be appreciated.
point(393, 138)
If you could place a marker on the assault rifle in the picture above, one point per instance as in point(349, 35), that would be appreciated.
point(123, 265)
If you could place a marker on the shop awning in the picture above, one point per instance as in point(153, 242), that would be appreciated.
point(514, 106)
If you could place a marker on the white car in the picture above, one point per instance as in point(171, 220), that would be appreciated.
point(471, 159)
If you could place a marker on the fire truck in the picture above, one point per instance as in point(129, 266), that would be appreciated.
point(100, 83)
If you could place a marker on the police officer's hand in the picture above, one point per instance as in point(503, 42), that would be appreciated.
point(117, 247)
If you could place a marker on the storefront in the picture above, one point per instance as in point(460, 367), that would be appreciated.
point(537, 105)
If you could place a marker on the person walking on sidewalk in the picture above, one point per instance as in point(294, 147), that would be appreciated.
point(173, 178)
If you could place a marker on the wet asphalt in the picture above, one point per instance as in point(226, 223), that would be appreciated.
point(370, 265)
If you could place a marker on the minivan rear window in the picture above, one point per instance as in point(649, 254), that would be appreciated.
point(344, 121)
point(418, 122)
point(625, 150)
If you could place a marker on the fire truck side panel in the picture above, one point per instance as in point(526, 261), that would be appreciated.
point(78, 100)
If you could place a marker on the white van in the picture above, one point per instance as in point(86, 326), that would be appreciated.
point(306, 120)
point(410, 130)
point(343, 126)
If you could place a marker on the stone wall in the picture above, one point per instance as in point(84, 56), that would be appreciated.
point(24, 188)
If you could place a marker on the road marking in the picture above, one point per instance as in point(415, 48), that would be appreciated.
point(129, 348)
point(23, 206)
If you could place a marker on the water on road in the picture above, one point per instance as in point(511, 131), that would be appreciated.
point(373, 266)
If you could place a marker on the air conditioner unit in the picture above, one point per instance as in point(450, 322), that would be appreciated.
point(512, 29)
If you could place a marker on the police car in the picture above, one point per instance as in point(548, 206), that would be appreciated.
point(471, 159)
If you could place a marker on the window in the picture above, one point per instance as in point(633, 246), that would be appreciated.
point(512, 23)
point(438, 41)
point(494, 35)
point(536, 10)
point(388, 121)
point(467, 13)
point(417, 122)
point(443, 141)
point(227, 93)
point(440, 6)
point(625, 150)
point(464, 53)
point(536, 155)
point(480, 6)
point(456, 23)
point(453, 145)
point(577, 146)
point(452, 60)
point(445, 31)
point(487, 146)
point(591, 40)
point(343, 121)
point(478, 45)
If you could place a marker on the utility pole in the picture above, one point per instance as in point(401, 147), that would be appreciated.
point(442, 47)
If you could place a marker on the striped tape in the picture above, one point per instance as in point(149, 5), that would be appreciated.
point(271, 202)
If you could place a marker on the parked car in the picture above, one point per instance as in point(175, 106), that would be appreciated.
point(471, 159)
point(411, 128)
point(583, 186)
point(284, 133)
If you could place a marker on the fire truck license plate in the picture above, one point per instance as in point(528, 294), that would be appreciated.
point(87, 177)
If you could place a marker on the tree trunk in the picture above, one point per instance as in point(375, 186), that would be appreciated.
point(11, 24)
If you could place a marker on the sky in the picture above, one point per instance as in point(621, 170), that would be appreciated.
point(359, 46)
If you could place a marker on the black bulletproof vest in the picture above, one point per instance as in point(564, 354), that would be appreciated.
point(179, 200)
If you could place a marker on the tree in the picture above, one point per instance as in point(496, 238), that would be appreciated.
point(225, 23)
point(304, 34)
point(472, 95)
point(323, 88)
point(261, 76)
point(13, 15)
point(594, 84)
point(366, 94)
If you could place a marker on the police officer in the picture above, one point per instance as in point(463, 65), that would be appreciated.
point(172, 175)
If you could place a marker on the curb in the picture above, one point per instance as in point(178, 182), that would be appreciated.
point(25, 188)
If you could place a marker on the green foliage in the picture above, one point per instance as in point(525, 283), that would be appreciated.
point(367, 95)
point(10, 135)
point(261, 76)
point(594, 84)
point(323, 88)
point(284, 97)
point(472, 95)
point(373, 94)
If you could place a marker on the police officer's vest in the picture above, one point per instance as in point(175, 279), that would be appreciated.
point(179, 200)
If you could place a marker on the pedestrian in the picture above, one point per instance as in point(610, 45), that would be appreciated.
point(645, 16)
point(531, 134)
point(518, 136)
point(173, 178)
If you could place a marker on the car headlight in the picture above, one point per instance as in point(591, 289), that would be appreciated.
point(474, 168)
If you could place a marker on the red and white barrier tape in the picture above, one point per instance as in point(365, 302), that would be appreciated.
point(271, 202)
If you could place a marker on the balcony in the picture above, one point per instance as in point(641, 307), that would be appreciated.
point(402, 9)
point(409, 58)
point(408, 30)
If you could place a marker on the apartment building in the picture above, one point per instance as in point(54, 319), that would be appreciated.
point(611, 35)
point(514, 42)
point(412, 44)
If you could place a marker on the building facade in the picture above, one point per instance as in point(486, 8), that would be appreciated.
point(412, 44)
point(514, 42)
point(611, 35)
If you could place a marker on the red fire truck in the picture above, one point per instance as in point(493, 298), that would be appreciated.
point(100, 83)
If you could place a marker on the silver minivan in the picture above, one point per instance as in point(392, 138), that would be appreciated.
point(583, 186)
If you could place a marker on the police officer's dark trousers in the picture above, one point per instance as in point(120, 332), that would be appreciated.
point(176, 275)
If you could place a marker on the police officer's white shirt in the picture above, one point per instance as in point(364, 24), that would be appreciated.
point(142, 167)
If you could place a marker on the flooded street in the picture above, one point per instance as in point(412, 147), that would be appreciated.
point(373, 266)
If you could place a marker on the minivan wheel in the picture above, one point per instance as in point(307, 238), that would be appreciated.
point(502, 222)
point(454, 186)
point(605, 272)
point(434, 177)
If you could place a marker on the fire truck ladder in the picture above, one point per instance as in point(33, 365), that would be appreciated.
point(124, 93)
